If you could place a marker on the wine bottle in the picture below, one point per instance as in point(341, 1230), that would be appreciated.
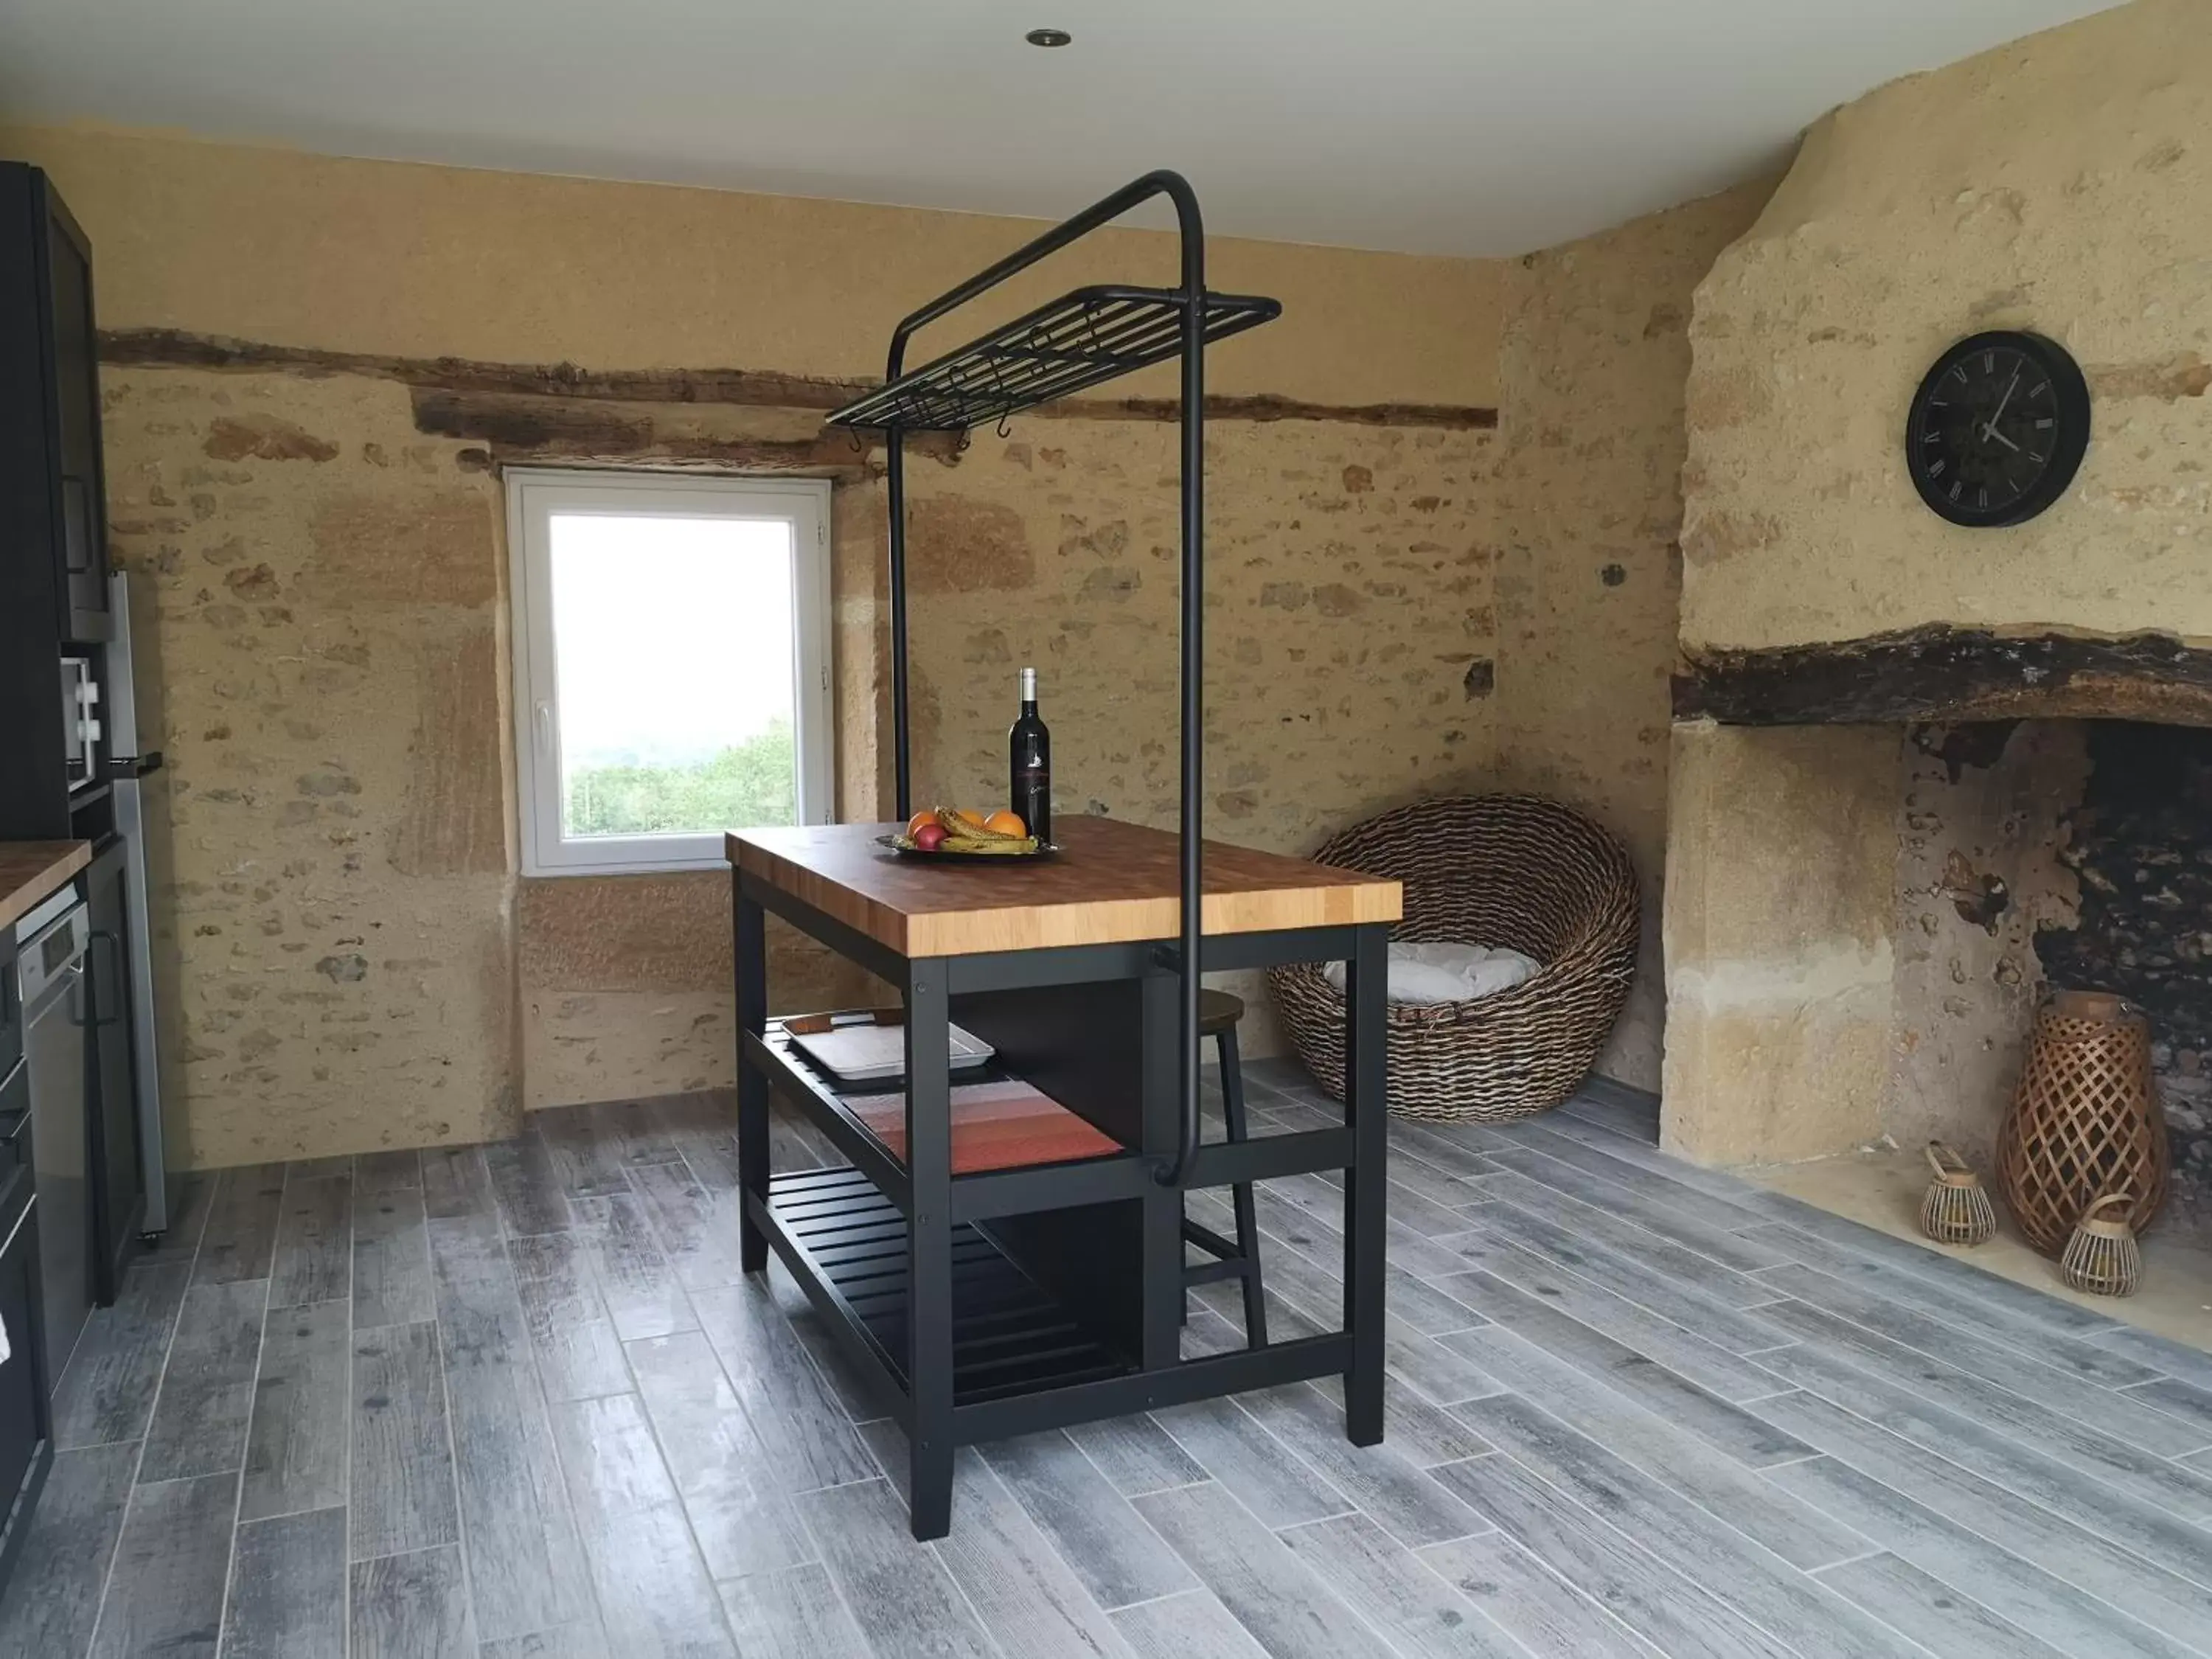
point(1029, 756)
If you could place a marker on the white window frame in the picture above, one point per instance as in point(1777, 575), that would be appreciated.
point(534, 496)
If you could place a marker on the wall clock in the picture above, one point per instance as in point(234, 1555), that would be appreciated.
point(1998, 428)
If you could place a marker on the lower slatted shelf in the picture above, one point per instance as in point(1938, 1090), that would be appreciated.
point(1009, 1335)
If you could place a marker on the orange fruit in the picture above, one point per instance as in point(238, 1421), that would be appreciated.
point(914, 824)
point(1006, 824)
point(967, 816)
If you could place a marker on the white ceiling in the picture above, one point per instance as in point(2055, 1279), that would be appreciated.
point(1443, 127)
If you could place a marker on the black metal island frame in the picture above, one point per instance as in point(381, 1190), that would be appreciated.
point(984, 1290)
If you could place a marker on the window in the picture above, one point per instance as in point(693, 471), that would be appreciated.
point(672, 663)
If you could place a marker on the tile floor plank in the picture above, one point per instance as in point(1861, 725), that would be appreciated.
point(1562, 1166)
point(240, 1234)
point(1670, 1453)
point(579, 1355)
point(1271, 1592)
point(107, 1393)
point(1192, 1625)
point(1547, 1220)
point(526, 1187)
point(1712, 1183)
point(390, 1260)
point(901, 1595)
point(58, 1578)
point(743, 1518)
point(313, 1258)
point(387, 1172)
point(654, 1589)
point(1027, 1595)
point(1525, 1599)
point(2185, 1402)
point(1422, 1617)
point(2064, 1436)
point(795, 1614)
point(165, 1590)
point(1134, 1454)
point(456, 1183)
point(1932, 1613)
point(1642, 1590)
point(2127, 1517)
point(635, 1282)
point(815, 1444)
point(288, 1589)
point(1759, 1584)
point(1735, 1430)
point(527, 1567)
point(403, 1465)
point(1387, 1486)
point(696, 1227)
point(1657, 1190)
point(412, 1607)
point(1871, 1472)
point(207, 1393)
point(1544, 1283)
point(569, 1642)
point(1266, 1476)
point(1990, 1362)
point(1987, 1291)
point(587, 1162)
point(2054, 1609)
point(296, 1451)
point(1120, 1560)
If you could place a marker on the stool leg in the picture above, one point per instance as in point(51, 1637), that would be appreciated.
point(1248, 1223)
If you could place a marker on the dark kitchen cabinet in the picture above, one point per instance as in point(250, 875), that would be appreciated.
point(113, 1157)
point(56, 494)
point(26, 1420)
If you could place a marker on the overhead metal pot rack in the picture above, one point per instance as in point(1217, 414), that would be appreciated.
point(1083, 339)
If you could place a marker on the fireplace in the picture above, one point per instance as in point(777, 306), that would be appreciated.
point(1863, 912)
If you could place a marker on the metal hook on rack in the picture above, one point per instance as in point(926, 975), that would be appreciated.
point(1004, 431)
point(960, 444)
point(854, 434)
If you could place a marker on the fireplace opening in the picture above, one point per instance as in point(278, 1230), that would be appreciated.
point(2038, 854)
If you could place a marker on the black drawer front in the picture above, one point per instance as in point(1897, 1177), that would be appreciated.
point(15, 1145)
point(23, 1450)
point(11, 1005)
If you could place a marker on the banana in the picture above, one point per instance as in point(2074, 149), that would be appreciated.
point(958, 828)
point(998, 844)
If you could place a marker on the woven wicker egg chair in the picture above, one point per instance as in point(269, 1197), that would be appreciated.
point(1496, 870)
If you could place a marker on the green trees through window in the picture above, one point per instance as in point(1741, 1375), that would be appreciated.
point(741, 788)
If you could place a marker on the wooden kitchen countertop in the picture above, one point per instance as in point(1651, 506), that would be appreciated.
point(1113, 883)
point(30, 871)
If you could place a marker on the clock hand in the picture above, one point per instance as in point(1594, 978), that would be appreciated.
point(1990, 430)
point(2002, 439)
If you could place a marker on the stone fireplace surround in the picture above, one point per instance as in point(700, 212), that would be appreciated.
point(1882, 852)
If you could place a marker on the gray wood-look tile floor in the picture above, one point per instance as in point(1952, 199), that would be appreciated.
point(518, 1402)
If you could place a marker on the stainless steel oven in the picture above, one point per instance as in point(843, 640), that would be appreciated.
point(80, 720)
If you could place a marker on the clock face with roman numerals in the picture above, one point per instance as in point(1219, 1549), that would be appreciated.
point(1997, 429)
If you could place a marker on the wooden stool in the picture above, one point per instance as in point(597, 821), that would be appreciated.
point(1217, 1014)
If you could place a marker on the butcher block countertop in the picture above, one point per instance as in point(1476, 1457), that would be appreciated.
point(31, 870)
point(1113, 882)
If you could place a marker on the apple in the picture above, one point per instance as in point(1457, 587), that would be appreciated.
point(929, 837)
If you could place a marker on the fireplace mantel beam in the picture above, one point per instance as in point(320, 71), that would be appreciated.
point(1945, 673)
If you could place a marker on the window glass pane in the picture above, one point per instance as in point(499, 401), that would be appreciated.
point(672, 639)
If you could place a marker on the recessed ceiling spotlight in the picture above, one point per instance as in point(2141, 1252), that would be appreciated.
point(1047, 37)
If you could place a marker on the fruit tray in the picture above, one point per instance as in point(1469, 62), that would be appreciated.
point(906, 849)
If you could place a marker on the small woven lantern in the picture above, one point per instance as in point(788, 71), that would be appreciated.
point(2103, 1257)
point(1956, 1210)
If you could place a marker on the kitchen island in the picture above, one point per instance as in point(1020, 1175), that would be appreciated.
point(983, 1293)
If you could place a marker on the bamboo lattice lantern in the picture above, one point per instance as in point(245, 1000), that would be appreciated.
point(2085, 1120)
point(2103, 1257)
point(1957, 1210)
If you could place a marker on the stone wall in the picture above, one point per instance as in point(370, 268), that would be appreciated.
point(2054, 184)
point(315, 370)
point(1595, 354)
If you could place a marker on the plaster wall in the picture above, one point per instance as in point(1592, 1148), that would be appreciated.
point(1594, 357)
point(2056, 185)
